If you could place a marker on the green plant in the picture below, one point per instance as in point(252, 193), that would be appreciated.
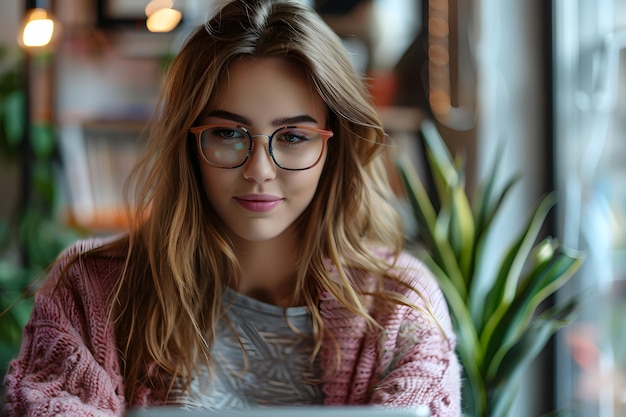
point(502, 322)
point(11, 102)
point(13, 279)
point(31, 235)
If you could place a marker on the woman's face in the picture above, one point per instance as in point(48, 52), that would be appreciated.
point(258, 201)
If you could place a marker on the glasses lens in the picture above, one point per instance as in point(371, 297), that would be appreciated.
point(225, 146)
point(297, 147)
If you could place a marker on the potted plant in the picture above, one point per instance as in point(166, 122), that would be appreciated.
point(502, 321)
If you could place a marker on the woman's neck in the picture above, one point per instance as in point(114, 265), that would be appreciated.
point(269, 269)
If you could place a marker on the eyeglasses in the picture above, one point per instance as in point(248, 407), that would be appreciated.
point(294, 148)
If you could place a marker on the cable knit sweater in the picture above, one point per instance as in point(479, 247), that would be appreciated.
point(69, 363)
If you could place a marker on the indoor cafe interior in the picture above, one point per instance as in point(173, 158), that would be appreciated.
point(526, 97)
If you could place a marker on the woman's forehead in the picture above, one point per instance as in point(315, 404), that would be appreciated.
point(267, 89)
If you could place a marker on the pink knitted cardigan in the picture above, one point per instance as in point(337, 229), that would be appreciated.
point(69, 363)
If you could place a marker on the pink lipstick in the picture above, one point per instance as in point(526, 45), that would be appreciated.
point(258, 202)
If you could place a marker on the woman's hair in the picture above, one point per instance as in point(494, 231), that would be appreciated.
point(179, 261)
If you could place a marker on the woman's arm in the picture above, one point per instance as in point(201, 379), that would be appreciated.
point(423, 369)
point(419, 364)
point(68, 362)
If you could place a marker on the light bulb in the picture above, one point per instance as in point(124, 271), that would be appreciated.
point(38, 29)
point(163, 20)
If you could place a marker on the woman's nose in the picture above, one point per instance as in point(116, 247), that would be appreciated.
point(260, 166)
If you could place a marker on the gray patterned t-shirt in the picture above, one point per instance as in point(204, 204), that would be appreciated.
point(279, 370)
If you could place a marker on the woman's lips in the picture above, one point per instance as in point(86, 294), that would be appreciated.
point(258, 202)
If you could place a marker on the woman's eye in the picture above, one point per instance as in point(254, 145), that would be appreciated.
point(293, 137)
point(228, 133)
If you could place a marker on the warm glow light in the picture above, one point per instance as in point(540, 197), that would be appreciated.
point(155, 5)
point(163, 20)
point(38, 30)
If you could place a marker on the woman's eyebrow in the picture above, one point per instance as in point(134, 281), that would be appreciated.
point(223, 114)
point(283, 121)
point(294, 120)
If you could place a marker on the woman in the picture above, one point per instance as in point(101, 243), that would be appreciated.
point(265, 264)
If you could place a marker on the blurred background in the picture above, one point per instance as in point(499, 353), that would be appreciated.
point(545, 78)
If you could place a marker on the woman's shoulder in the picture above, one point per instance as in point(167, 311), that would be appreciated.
point(407, 268)
point(91, 245)
point(407, 260)
point(410, 276)
point(88, 263)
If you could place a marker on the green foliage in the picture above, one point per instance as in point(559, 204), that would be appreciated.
point(38, 238)
point(502, 322)
point(12, 103)
point(31, 237)
point(15, 305)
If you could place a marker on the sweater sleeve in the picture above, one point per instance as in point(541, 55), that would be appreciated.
point(68, 363)
point(419, 363)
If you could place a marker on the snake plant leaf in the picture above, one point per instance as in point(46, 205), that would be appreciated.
point(463, 231)
point(485, 193)
point(502, 397)
point(444, 245)
point(427, 219)
point(511, 268)
point(526, 243)
point(492, 336)
point(567, 260)
point(438, 154)
point(520, 356)
point(490, 204)
point(422, 209)
point(458, 310)
point(473, 390)
point(442, 178)
point(535, 337)
point(493, 315)
point(468, 347)
point(532, 295)
point(482, 284)
point(442, 227)
point(447, 173)
point(542, 282)
point(487, 197)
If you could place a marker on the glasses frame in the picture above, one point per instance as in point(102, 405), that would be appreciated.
point(197, 132)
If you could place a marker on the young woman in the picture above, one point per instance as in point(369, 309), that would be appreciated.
point(265, 265)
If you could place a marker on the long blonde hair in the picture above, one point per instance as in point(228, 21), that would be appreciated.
point(179, 262)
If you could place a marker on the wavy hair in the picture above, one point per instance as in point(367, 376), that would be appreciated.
point(179, 261)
